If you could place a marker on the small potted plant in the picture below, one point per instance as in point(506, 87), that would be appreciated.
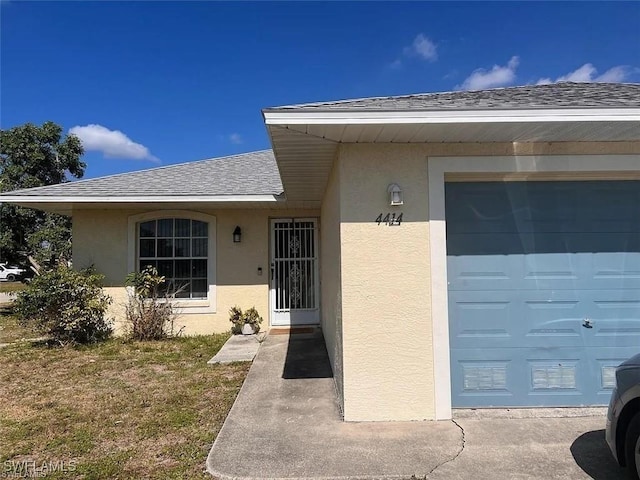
point(246, 323)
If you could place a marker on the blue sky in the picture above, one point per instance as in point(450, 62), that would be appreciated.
point(146, 84)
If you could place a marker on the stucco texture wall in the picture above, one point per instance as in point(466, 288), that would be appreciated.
point(100, 238)
point(387, 331)
point(331, 291)
point(389, 363)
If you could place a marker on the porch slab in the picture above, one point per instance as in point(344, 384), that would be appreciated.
point(239, 348)
point(286, 423)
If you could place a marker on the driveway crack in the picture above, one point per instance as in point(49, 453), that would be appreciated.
point(462, 445)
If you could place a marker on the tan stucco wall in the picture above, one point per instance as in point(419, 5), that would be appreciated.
point(331, 291)
point(388, 359)
point(387, 319)
point(100, 237)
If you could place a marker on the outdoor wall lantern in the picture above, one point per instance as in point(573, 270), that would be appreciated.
point(395, 194)
point(237, 235)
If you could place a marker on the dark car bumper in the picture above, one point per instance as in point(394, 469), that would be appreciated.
point(613, 413)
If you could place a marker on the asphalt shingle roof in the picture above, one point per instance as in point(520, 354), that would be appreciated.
point(558, 95)
point(254, 173)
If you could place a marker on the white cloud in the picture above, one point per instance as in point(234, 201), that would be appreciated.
point(589, 73)
point(112, 143)
point(498, 76)
point(235, 138)
point(422, 47)
point(614, 75)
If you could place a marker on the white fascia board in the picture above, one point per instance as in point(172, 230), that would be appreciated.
point(138, 199)
point(456, 116)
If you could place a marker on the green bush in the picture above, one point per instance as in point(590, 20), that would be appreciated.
point(67, 305)
point(149, 311)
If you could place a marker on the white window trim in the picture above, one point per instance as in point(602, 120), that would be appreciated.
point(207, 305)
point(585, 167)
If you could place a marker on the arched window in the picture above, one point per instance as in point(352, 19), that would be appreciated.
point(181, 246)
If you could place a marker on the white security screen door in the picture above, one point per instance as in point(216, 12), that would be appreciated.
point(294, 272)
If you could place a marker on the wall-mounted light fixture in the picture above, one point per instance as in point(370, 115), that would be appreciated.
point(395, 194)
point(237, 235)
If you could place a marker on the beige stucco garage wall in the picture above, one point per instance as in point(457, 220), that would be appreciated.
point(100, 237)
point(388, 358)
point(389, 368)
point(331, 291)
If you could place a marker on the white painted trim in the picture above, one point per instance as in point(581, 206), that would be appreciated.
point(190, 306)
point(455, 116)
point(139, 199)
point(439, 293)
point(438, 168)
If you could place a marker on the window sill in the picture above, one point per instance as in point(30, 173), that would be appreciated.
point(187, 306)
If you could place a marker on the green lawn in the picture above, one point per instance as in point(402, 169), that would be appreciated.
point(10, 330)
point(115, 410)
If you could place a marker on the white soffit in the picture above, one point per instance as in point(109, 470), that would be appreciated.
point(304, 162)
point(305, 143)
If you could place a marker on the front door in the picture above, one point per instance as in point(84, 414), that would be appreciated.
point(294, 272)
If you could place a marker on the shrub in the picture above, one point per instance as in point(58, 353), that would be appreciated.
point(67, 305)
point(150, 314)
point(238, 319)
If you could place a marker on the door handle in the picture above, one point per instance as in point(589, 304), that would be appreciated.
point(586, 323)
point(273, 270)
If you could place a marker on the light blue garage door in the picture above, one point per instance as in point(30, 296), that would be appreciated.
point(544, 290)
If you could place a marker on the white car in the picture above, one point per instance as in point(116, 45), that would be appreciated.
point(10, 274)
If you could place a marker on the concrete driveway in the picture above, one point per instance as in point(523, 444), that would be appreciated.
point(286, 423)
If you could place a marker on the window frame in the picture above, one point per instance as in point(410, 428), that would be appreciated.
point(205, 305)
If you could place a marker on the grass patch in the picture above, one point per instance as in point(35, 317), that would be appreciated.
point(8, 287)
point(10, 329)
point(118, 410)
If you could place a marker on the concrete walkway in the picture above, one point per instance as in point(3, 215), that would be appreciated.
point(239, 348)
point(285, 424)
point(6, 298)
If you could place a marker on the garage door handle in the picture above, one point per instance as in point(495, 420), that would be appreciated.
point(586, 323)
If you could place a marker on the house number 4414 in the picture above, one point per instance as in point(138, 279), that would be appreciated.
point(389, 219)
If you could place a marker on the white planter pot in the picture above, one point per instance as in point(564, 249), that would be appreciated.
point(247, 329)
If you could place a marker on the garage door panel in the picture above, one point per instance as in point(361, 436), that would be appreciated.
point(479, 317)
point(544, 290)
point(526, 272)
point(488, 272)
point(615, 318)
point(525, 318)
point(615, 270)
point(603, 363)
point(550, 318)
point(517, 377)
point(482, 377)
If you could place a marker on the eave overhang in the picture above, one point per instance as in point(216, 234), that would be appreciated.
point(305, 141)
point(65, 205)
